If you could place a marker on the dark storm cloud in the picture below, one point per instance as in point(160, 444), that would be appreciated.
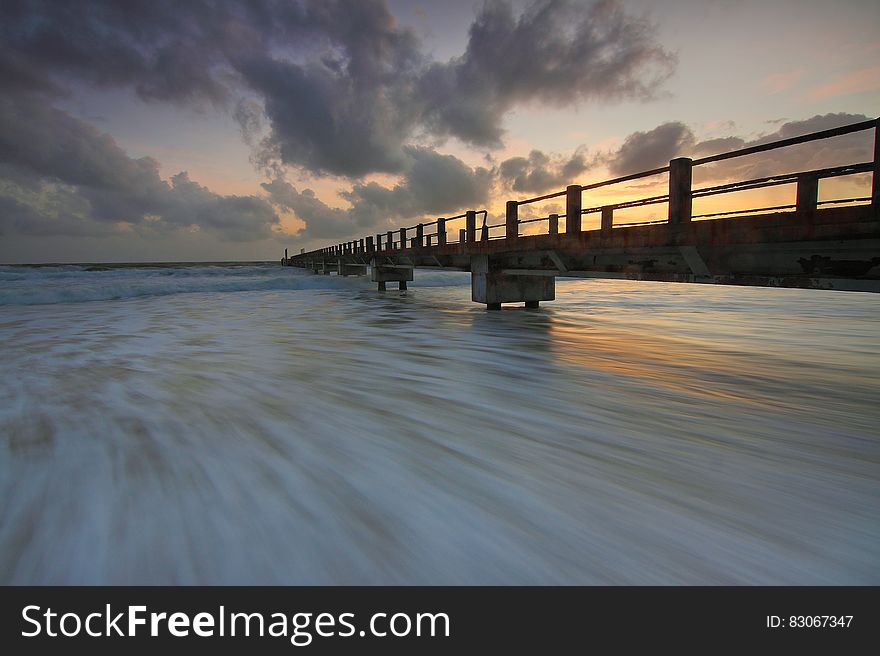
point(63, 176)
point(343, 86)
point(165, 50)
point(539, 171)
point(718, 145)
point(431, 184)
point(642, 151)
point(55, 216)
point(556, 52)
point(53, 144)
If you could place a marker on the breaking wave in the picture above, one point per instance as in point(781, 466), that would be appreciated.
point(48, 285)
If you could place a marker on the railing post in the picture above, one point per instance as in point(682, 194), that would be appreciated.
point(807, 193)
point(875, 181)
point(554, 225)
point(389, 243)
point(607, 219)
point(363, 250)
point(378, 242)
point(430, 239)
point(470, 222)
point(402, 238)
point(462, 235)
point(370, 248)
point(441, 232)
point(680, 199)
point(420, 235)
point(511, 223)
point(573, 209)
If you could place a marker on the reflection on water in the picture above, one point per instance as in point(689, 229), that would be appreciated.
point(627, 433)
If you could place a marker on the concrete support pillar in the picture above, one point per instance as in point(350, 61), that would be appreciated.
point(573, 209)
point(441, 232)
point(492, 285)
point(470, 222)
point(382, 273)
point(554, 225)
point(511, 223)
point(350, 269)
point(807, 193)
point(607, 220)
point(680, 199)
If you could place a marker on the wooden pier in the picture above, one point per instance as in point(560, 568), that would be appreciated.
point(829, 244)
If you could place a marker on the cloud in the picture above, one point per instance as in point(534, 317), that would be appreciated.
point(55, 215)
point(837, 151)
point(539, 171)
point(432, 184)
point(343, 87)
point(717, 146)
point(555, 52)
point(322, 221)
point(857, 82)
point(778, 82)
point(63, 176)
point(642, 151)
point(334, 87)
point(165, 50)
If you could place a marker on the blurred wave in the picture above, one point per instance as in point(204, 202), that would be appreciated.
point(47, 285)
point(316, 431)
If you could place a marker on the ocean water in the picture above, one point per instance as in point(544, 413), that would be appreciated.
point(234, 424)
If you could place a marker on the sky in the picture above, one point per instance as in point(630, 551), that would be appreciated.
point(156, 130)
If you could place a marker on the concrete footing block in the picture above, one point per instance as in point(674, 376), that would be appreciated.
point(492, 286)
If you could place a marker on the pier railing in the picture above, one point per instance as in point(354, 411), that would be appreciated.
point(679, 196)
